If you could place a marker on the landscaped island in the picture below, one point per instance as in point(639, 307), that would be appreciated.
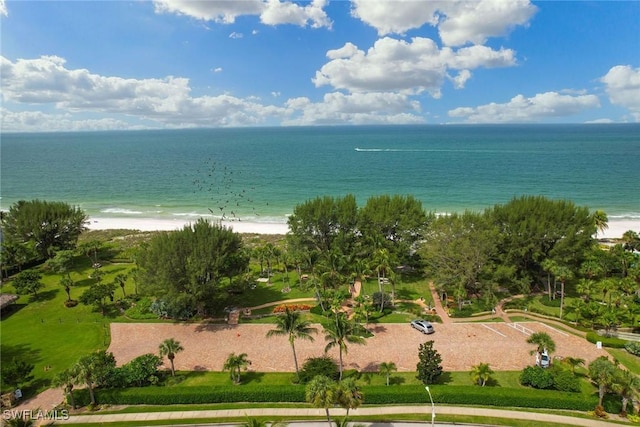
point(326, 307)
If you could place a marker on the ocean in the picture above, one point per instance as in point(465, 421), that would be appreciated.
point(261, 174)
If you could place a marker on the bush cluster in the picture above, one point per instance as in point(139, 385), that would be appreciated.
point(292, 307)
point(318, 366)
point(553, 378)
point(633, 348)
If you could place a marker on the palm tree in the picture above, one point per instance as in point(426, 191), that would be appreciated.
point(627, 385)
point(234, 364)
point(67, 380)
point(601, 221)
point(291, 324)
point(256, 422)
point(121, 280)
point(341, 332)
point(574, 362)
point(386, 369)
point(169, 348)
point(602, 372)
point(481, 373)
point(382, 264)
point(321, 393)
point(348, 395)
point(543, 342)
point(19, 420)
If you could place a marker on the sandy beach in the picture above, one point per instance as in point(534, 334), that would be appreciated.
point(616, 227)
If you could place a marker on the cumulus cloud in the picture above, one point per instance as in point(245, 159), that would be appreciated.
point(458, 22)
point(37, 121)
point(271, 12)
point(409, 67)
point(165, 101)
point(622, 84)
point(521, 109)
point(3, 9)
point(357, 108)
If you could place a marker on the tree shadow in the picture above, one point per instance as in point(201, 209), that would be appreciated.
point(20, 351)
point(406, 294)
point(492, 382)
point(445, 378)
point(397, 380)
point(252, 377)
point(44, 296)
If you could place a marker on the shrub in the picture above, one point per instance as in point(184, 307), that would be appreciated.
point(633, 348)
point(381, 298)
point(292, 307)
point(611, 342)
point(318, 366)
point(550, 302)
point(564, 380)
point(537, 377)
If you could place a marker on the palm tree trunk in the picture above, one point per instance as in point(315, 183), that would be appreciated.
point(91, 394)
point(328, 417)
point(295, 359)
point(340, 363)
point(173, 369)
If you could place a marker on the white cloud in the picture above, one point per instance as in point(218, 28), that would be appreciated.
point(166, 101)
point(409, 67)
point(3, 8)
point(217, 70)
point(357, 108)
point(521, 109)
point(458, 22)
point(271, 12)
point(37, 121)
point(235, 35)
point(623, 87)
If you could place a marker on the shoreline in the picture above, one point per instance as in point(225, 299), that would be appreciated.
point(615, 230)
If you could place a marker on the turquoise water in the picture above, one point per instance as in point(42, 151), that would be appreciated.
point(260, 174)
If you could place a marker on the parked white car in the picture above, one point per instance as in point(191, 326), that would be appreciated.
point(423, 326)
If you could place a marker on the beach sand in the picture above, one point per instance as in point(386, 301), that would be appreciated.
point(616, 227)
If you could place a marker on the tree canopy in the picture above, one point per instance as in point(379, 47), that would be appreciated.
point(191, 267)
point(44, 226)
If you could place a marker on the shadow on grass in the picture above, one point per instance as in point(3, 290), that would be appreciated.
point(445, 378)
point(11, 310)
point(252, 377)
point(45, 295)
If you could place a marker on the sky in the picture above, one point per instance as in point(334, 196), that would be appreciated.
point(114, 65)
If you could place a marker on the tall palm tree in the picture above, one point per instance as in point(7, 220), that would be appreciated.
point(321, 393)
point(121, 280)
point(386, 369)
point(481, 373)
point(67, 380)
point(574, 362)
point(543, 341)
point(627, 385)
point(602, 373)
point(341, 332)
point(382, 266)
point(291, 324)
point(601, 221)
point(169, 348)
point(235, 364)
point(348, 395)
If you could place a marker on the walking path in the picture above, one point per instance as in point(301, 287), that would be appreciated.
point(444, 316)
point(313, 412)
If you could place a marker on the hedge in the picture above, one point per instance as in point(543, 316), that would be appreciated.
point(375, 395)
point(611, 342)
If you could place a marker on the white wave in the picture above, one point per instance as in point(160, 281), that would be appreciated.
point(121, 211)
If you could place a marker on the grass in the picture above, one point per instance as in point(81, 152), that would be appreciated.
point(630, 361)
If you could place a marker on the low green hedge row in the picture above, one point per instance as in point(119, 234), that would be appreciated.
point(374, 395)
point(611, 342)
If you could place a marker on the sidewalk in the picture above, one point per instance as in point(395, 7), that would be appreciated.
point(339, 412)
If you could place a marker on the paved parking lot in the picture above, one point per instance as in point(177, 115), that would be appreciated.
point(461, 345)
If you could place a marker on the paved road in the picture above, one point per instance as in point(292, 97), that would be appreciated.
point(305, 412)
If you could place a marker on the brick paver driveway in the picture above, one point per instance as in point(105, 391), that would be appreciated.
point(461, 345)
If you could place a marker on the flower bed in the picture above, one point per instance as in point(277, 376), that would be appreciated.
point(292, 307)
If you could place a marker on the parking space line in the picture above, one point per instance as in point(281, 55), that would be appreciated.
point(555, 330)
point(491, 329)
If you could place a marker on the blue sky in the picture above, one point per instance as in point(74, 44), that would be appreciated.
point(99, 65)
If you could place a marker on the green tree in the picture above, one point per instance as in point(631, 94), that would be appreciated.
point(28, 282)
point(93, 369)
point(348, 395)
point(235, 364)
point(600, 220)
point(429, 365)
point(574, 362)
point(386, 369)
point(293, 326)
point(191, 267)
point(48, 226)
point(602, 373)
point(98, 295)
point(169, 348)
point(340, 332)
point(17, 372)
point(19, 421)
point(321, 393)
point(257, 422)
point(542, 341)
point(67, 380)
point(627, 385)
point(121, 280)
point(481, 373)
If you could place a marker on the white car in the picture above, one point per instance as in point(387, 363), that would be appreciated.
point(423, 326)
